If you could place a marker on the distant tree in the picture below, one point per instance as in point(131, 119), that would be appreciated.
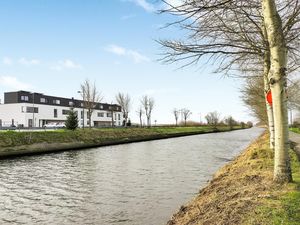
point(249, 124)
point(294, 95)
point(140, 113)
point(254, 98)
point(72, 120)
point(148, 105)
point(230, 122)
point(186, 114)
point(176, 115)
point(124, 101)
point(213, 119)
point(128, 124)
point(243, 125)
point(91, 97)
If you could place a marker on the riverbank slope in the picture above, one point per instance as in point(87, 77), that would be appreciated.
point(14, 143)
point(243, 192)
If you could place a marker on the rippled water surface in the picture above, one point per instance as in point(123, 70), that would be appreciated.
point(134, 184)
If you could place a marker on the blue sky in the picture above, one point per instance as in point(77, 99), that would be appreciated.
point(51, 46)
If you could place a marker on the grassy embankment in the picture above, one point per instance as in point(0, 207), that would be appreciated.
point(296, 130)
point(243, 192)
point(16, 143)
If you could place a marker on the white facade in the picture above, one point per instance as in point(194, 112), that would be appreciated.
point(22, 115)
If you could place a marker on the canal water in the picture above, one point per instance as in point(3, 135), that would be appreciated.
point(133, 184)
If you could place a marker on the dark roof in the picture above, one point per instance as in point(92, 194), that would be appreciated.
point(17, 97)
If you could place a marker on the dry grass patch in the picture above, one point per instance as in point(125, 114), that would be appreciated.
point(237, 189)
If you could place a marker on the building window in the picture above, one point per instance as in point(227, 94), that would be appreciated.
point(43, 100)
point(109, 107)
point(55, 113)
point(65, 112)
point(81, 104)
point(30, 109)
point(108, 114)
point(71, 104)
point(119, 117)
point(100, 114)
point(101, 106)
point(22, 109)
point(56, 102)
point(81, 114)
point(24, 98)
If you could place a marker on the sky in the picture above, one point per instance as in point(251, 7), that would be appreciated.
point(52, 46)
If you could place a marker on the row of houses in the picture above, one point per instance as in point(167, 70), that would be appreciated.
point(27, 109)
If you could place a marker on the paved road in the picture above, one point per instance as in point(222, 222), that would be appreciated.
point(294, 137)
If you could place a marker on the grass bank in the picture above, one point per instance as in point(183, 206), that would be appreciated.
point(243, 192)
point(296, 130)
point(17, 143)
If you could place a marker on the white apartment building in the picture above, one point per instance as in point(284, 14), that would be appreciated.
point(26, 109)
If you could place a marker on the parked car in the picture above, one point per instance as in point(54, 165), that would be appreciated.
point(9, 127)
point(55, 125)
point(60, 125)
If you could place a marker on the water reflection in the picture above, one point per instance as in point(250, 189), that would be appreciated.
point(141, 183)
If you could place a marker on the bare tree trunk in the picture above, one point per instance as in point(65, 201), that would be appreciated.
point(277, 80)
point(149, 121)
point(90, 117)
point(269, 109)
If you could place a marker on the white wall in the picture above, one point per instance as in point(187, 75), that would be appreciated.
point(46, 112)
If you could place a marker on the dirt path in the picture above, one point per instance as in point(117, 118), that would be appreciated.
point(295, 138)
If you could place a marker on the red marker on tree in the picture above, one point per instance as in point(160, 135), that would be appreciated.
point(269, 97)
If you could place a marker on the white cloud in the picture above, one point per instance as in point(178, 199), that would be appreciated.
point(66, 64)
point(127, 17)
point(116, 50)
point(7, 61)
point(29, 62)
point(152, 7)
point(175, 3)
point(13, 83)
point(135, 56)
point(145, 5)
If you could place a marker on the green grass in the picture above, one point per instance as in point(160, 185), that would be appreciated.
point(283, 205)
point(16, 138)
point(296, 130)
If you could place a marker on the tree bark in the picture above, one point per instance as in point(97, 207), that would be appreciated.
point(277, 81)
point(269, 109)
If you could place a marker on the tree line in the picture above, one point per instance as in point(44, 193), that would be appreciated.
point(257, 40)
point(91, 96)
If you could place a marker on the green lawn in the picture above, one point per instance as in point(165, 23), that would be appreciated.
point(296, 130)
point(282, 207)
point(16, 138)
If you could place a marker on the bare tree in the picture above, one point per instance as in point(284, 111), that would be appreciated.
point(278, 82)
point(230, 122)
point(186, 114)
point(213, 119)
point(148, 104)
point(124, 101)
point(254, 98)
point(140, 113)
point(176, 115)
point(91, 97)
point(245, 36)
point(294, 95)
